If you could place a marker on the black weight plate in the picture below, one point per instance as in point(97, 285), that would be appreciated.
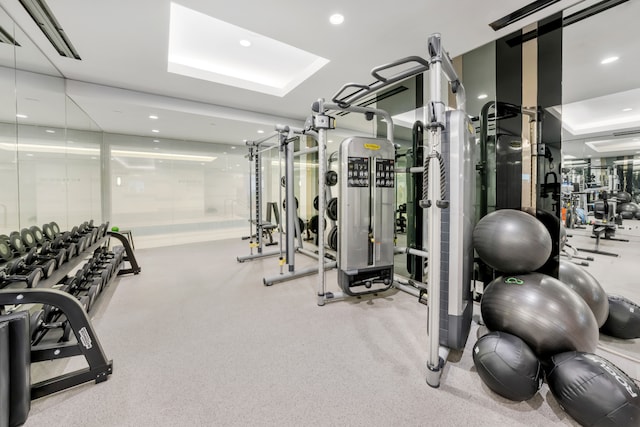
point(31, 257)
point(37, 234)
point(28, 238)
point(283, 182)
point(15, 240)
point(55, 227)
point(34, 278)
point(333, 238)
point(331, 178)
point(332, 209)
point(316, 202)
point(284, 203)
point(5, 251)
point(4, 238)
point(48, 231)
point(49, 268)
point(314, 223)
point(35, 322)
point(11, 267)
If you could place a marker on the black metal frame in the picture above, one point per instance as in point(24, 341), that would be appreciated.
point(87, 344)
point(129, 255)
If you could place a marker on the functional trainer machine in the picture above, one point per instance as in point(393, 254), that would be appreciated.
point(446, 201)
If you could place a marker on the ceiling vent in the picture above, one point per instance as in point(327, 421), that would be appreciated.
point(521, 13)
point(627, 133)
point(49, 25)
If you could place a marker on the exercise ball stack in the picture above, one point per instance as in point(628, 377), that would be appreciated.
point(585, 285)
point(538, 320)
point(593, 390)
point(627, 210)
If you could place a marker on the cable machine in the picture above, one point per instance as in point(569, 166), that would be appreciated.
point(446, 201)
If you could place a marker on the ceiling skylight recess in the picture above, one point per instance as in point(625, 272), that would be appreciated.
point(207, 48)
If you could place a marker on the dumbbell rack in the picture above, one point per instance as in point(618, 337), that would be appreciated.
point(87, 343)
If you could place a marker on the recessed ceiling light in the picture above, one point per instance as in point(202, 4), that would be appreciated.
point(22, 116)
point(153, 117)
point(245, 43)
point(260, 131)
point(627, 109)
point(483, 96)
point(155, 130)
point(156, 140)
point(50, 131)
point(331, 140)
point(30, 154)
point(336, 19)
point(609, 60)
point(233, 147)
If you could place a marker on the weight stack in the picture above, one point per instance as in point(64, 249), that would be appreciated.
point(366, 214)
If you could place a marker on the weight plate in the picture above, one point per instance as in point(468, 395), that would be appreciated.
point(31, 257)
point(333, 238)
point(316, 202)
point(36, 319)
point(28, 238)
point(74, 231)
point(37, 233)
point(48, 231)
point(15, 240)
point(5, 251)
point(49, 268)
point(284, 203)
point(11, 267)
point(4, 238)
point(332, 209)
point(34, 278)
point(331, 178)
point(55, 227)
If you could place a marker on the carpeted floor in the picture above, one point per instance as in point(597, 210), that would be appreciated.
point(197, 340)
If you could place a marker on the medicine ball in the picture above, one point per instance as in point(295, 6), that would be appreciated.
point(578, 279)
point(593, 390)
point(507, 366)
point(512, 241)
point(544, 312)
point(623, 320)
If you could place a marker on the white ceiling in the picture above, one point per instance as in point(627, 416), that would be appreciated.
point(123, 77)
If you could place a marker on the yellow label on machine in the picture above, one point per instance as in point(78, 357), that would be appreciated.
point(253, 245)
point(372, 146)
point(282, 261)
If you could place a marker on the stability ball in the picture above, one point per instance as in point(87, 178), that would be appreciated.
point(578, 279)
point(637, 214)
point(624, 318)
point(549, 316)
point(623, 196)
point(627, 210)
point(507, 366)
point(512, 241)
point(593, 390)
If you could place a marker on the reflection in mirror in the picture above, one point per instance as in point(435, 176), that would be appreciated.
point(601, 142)
point(9, 207)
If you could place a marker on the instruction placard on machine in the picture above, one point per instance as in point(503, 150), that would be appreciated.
point(358, 172)
point(385, 173)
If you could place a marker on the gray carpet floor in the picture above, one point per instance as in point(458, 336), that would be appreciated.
point(197, 340)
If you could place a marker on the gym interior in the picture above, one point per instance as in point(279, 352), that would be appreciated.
point(338, 213)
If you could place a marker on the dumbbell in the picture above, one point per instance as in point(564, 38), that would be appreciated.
point(98, 268)
point(60, 254)
point(16, 243)
point(70, 248)
point(33, 260)
point(40, 326)
point(11, 273)
point(6, 254)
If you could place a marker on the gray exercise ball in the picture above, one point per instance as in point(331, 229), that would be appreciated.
point(512, 241)
point(578, 279)
point(563, 235)
point(541, 310)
